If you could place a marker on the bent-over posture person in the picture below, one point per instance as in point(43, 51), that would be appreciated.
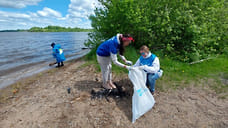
point(107, 52)
point(58, 54)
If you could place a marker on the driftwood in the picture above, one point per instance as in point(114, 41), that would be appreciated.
point(85, 48)
point(202, 60)
point(51, 64)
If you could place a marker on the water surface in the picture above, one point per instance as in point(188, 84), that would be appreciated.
point(26, 53)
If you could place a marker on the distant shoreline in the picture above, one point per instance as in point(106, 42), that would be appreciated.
point(43, 32)
point(12, 31)
point(50, 29)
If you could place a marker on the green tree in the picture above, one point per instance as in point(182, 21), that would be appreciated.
point(185, 30)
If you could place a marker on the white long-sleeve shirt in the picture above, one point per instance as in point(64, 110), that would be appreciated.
point(150, 69)
point(115, 60)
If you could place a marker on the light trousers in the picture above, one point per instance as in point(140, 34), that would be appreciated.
point(106, 68)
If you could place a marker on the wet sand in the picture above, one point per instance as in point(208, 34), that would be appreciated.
point(12, 75)
point(42, 101)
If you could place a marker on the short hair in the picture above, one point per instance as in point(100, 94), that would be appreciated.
point(53, 44)
point(145, 48)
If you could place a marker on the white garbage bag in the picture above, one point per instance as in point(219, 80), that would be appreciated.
point(142, 100)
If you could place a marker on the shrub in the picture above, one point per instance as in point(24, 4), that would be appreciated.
point(184, 30)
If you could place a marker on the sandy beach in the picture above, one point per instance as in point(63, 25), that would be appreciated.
point(42, 101)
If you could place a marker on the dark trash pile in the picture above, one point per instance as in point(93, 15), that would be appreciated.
point(100, 93)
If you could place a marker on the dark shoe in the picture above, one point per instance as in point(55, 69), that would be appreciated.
point(58, 65)
point(152, 92)
point(62, 64)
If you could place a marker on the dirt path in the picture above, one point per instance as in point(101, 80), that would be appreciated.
point(45, 103)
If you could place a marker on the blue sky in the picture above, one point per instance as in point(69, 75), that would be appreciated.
point(24, 14)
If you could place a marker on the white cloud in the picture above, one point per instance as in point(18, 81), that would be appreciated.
point(45, 17)
point(14, 15)
point(77, 16)
point(22, 23)
point(81, 8)
point(47, 12)
point(18, 3)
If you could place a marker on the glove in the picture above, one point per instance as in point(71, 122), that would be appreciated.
point(160, 73)
point(142, 67)
point(128, 62)
point(129, 67)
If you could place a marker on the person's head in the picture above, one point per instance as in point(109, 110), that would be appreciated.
point(52, 45)
point(144, 51)
point(125, 40)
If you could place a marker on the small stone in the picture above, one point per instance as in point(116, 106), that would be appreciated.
point(92, 103)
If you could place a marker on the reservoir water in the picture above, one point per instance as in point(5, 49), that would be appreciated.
point(25, 53)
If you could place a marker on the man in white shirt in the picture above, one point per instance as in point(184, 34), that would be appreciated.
point(151, 65)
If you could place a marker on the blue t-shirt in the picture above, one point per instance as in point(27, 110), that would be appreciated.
point(109, 46)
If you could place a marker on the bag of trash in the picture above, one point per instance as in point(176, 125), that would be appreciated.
point(142, 100)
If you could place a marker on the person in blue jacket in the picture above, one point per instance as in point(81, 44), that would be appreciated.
point(58, 54)
point(107, 52)
point(149, 62)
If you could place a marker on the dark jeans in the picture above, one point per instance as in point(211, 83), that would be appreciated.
point(151, 80)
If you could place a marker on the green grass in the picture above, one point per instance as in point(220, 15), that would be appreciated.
point(179, 74)
point(204, 69)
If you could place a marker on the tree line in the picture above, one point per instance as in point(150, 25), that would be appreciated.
point(58, 29)
point(50, 29)
point(185, 30)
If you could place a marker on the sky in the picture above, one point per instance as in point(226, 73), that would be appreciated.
point(24, 14)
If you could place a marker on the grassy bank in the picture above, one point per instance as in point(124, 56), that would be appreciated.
point(211, 73)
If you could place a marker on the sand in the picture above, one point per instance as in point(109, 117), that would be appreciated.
point(42, 101)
